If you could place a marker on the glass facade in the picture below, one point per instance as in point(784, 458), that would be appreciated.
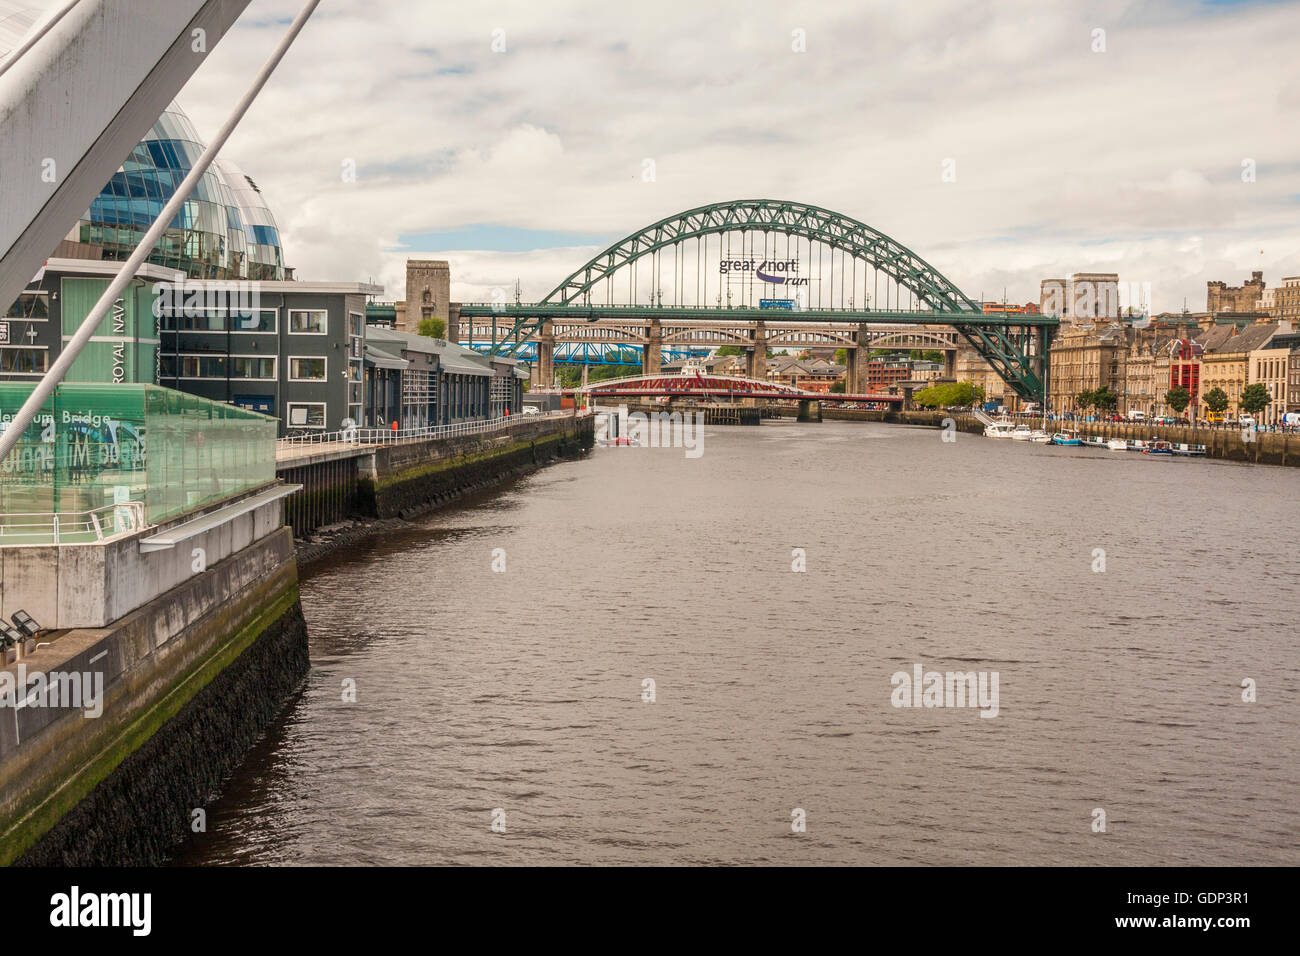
point(224, 230)
point(124, 347)
point(96, 446)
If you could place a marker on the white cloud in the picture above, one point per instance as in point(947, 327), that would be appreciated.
point(1066, 159)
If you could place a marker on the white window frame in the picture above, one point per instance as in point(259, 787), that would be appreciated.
point(273, 330)
point(289, 368)
point(290, 406)
point(325, 324)
point(260, 378)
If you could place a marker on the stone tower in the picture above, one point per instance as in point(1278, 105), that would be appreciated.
point(1221, 297)
point(428, 293)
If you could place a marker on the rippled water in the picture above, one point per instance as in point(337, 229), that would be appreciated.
point(522, 690)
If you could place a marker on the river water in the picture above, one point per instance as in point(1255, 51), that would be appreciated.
point(1117, 690)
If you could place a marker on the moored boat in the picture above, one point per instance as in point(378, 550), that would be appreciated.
point(1039, 437)
point(999, 430)
point(1186, 449)
point(1117, 444)
point(1021, 433)
point(1158, 448)
point(1066, 438)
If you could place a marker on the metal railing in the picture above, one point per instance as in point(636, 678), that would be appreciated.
point(387, 436)
point(75, 527)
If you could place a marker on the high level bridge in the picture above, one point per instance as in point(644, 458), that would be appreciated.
point(758, 274)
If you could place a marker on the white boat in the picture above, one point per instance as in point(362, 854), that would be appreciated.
point(1040, 437)
point(1117, 444)
point(1185, 449)
point(1137, 444)
point(999, 430)
point(1021, 433)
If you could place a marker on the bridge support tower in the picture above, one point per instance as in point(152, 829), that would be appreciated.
point(756, 357)
point(855, 375)
point(546, 355)
point(652, 356)
point(810, 410)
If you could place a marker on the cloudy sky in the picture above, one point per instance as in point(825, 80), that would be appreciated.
point(1073, 149)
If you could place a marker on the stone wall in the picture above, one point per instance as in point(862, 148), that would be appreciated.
point(190, 681)
point(407, 478)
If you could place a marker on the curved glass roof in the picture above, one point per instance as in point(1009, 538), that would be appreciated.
point(224, 231)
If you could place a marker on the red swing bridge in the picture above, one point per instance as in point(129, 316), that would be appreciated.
point(714, 388)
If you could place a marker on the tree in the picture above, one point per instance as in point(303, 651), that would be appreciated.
point(948, 394)
point(730, 350)
point(838, 387)
point(1085, 400)
point(1216, 400)
point(1178, 398)
point(433, 327)
point(1255, 398)
point(841, 356)
point(1105, 399)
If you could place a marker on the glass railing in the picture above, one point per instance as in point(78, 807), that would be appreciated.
point(95, 446)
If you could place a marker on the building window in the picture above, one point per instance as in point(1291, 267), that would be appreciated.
point(252, 366)
point(306, 414)
point(17, 361)
point(308, 321)
point(30, 305)
point(306, 369)
point(191, 366)
point(204, 321)
point(260, 320)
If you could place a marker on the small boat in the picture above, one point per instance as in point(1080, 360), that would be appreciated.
point(999, 430)
point(1021, 433)
point(1094, 441)
point(1186, 449)
point(1117, 444)
point(1039, 437)
point(1137, 444)
point(616, 442)
point(1158, 448)
point(1066, 438)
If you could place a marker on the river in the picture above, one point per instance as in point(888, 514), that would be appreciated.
point(1119, 674)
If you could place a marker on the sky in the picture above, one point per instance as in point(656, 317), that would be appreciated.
point(1156, 139)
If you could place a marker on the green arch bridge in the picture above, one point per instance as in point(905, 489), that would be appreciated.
point(738, 265)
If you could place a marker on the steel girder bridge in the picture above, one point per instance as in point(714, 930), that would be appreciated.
point(747, 263)
point(589, 352)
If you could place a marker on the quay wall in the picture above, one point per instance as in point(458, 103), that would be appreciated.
point(190, 681)
point(1267, 448)
point(405, 479)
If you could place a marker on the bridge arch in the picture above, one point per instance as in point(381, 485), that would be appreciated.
point(813, 223)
